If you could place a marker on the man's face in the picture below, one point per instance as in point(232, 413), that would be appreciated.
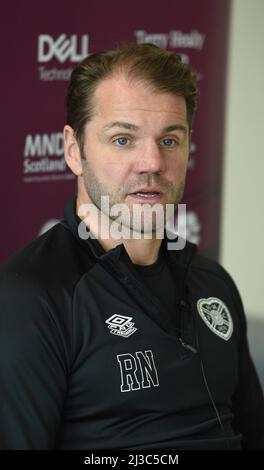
point(135, 147)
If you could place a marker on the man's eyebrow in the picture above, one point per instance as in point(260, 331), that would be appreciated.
point(124, 125)
point(132, 127)
point(176, 127)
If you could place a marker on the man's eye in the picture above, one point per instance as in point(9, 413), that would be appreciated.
point(121, 141)
point(169, 142)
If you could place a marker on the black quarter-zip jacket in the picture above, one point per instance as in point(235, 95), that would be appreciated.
point(88, 359)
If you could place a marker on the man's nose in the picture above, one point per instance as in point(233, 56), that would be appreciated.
point(150, 159)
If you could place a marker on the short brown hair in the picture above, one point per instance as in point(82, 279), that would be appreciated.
point(147, 62)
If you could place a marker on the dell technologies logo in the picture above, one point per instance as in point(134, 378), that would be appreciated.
point(62, 48)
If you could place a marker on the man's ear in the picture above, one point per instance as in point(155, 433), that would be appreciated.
point(72, 151)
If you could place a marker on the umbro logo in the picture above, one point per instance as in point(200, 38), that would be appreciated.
point(216, 316)
point(121, 325)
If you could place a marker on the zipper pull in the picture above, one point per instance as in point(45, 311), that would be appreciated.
point(187, 346)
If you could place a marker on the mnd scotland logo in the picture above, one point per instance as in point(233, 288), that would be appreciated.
point(44, 158)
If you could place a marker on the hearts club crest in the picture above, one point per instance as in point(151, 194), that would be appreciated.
point(216, 316)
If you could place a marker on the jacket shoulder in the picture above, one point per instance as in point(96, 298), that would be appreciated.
point(214, 273)
point(40, 280)
point(52, 258)
point(203, 264)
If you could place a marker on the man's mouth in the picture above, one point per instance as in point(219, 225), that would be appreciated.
point(147, 193)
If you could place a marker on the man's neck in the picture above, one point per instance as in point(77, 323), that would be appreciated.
point(143, 252)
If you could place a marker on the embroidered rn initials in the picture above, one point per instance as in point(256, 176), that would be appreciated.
point(137, 371)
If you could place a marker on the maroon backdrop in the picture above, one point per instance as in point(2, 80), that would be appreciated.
point(41, 43)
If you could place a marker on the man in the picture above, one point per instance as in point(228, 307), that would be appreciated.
point(111, 338)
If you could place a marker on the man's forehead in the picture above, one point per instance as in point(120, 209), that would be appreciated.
point(114, 89)
point(117, 97)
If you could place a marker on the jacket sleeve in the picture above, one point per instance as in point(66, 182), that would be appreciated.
point(33, 369)
point(248, 401)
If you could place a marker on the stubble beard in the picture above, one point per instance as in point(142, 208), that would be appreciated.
point(97, 193)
